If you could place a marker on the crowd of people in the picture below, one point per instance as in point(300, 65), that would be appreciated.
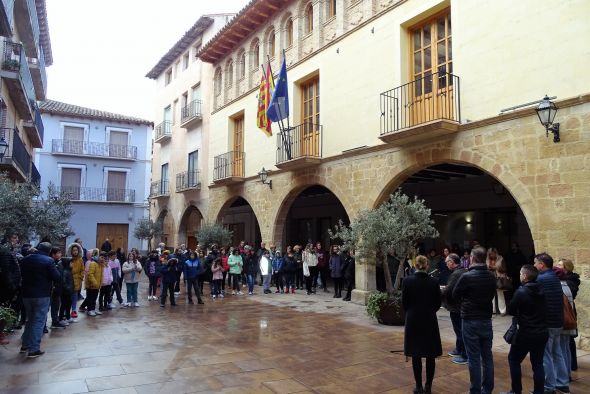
point(542, 307)
point(41, 280)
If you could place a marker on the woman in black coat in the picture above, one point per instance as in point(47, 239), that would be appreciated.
point(421, 299)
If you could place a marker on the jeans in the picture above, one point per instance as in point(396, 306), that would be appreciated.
point(235, 279)
point(36, 310)
point(190, 285)
point(217, 286)
point(103, 298)
point(278, 279)
point(477, 337)
point(74, 300)
point(91, 296)
point(167, 288)
point(556, 373)
point(459, 346)
point(337, 287)
point(324, 273)
point(251, 282)
point(153, 285)
point(536, 347)
point(132, 291)
point(116, 289)
point(266, 282)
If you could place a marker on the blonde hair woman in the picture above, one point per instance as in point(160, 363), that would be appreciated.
point(496, 264)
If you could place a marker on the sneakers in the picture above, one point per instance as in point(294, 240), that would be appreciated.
point(233, 292)
point(91, 313)
point(74, 315)
point(563, 389)
point(36, 354)
point(240, 293)
point(98, 312)
point(64, 322)
point(57, 326)
point(214, 296)
point(454, 353)
point(287, 290)
point(72, 320)
point(221, 296)
point(250, 293)
point(459, 360)
point(23, 350)
point(136, 304)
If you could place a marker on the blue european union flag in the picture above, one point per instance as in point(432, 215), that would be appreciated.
point(279, 104)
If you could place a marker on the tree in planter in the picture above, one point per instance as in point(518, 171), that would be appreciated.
point(51, 215)
point(213, 233)
point(394, 227)
point(16, 207)
point(146, 229)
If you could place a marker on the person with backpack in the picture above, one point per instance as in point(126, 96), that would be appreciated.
point(152, 270)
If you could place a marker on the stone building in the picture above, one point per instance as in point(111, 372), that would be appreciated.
point(416, 95)
point(25, 48)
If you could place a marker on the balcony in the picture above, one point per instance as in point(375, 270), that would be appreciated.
point(299, 146)
point(159, 189)
point(35, 175)
point(17, 160)
point(39, 74)
point(6, 13)
point(228, 168)
point(163, 131)
point(423, 109)
point(191, 114)
point(96, 194)
point(93, 149)
point(25, 13)
point(15, 72)
point(188, 180)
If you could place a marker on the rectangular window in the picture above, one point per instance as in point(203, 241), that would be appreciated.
point(184, 100)
point(168, 77)
point(309, 136)
point(73, 139)
point(185, 61)
point(331, 8)
point(193, 166)
point(238, 146)
point(196, 92)
point(164, 179)
point(71, 181)
point(116, 185)
point(168, 114)
point(174, 111)
point(118, 144)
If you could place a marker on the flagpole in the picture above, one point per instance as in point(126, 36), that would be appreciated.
point(280, 122)
point(288, 125)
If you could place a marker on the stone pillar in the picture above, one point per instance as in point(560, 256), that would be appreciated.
point(364, 280)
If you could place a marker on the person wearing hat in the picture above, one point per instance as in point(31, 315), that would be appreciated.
point(38, 275)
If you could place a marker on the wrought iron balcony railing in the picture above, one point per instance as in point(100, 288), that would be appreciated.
point(35, 175)
point(163, 130)
point(304, 140)
point(228, 165)
point(76, 193)
point(159, 188)
point(15, 60)
point(16, 152)
point(7, 17)
point(39, 74)
point(188, 180)
point(86, 148)
point(192, 111)
point(433, 97)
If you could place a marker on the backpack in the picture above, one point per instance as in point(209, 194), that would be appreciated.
point(569, 316)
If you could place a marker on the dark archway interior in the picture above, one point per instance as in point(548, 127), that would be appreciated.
point(315, 210)
point(467, 205)
point(241, 220)
point(191, 221)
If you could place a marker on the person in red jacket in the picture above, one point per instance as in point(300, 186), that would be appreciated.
point(224, 256)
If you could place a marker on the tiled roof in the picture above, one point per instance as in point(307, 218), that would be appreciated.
point(58, 108)
point(187, 40)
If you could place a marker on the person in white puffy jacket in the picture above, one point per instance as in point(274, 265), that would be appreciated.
point(131, 271)
point(266, 271)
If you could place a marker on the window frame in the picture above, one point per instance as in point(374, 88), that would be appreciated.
point(107, 169)
point(108, 130)
point(289, 33)
point(81, 167)
point(308, 19)
point(84, 126)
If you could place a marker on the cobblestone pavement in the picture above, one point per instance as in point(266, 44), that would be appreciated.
point(248, 344)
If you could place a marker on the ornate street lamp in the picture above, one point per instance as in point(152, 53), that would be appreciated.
point(263, 175)
point(546, 110)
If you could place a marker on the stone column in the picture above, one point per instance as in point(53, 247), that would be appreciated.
point(364, 280)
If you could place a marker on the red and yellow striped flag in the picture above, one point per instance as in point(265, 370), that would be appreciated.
point(264, 96)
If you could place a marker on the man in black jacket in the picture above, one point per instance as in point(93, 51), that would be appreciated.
point(39, 273)
point(453, 262)
point(475, 290)
point(528, 307)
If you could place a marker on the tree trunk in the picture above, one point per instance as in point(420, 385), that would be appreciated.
point(387, 274)
point(400, 274)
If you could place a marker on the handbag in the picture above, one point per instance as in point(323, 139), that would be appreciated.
point(569, 316)
point(503, 283)
point(512, 332)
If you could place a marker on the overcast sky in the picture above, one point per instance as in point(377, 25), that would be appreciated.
point(102, 49)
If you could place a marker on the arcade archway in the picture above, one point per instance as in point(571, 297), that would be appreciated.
point(166, 222)
point(189, 224)
point(239, 217)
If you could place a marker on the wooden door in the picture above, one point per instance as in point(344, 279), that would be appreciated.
point(431, 93)
point(237, 161)
point(117, 234)
point(309, 134)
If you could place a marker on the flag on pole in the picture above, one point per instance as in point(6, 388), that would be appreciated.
point(263, 101)
point(279, 104)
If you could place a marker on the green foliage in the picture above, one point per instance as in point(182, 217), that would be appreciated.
point(148, 229)
point(51, 215)
point(8, 316)
point(393, 227)
point(213, 233)
point(374, 302)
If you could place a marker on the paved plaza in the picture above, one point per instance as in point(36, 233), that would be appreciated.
point(243, 344)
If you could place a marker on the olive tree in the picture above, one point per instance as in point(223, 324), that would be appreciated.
point(213, 233)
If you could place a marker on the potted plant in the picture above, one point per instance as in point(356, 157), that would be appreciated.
point(10, 65)
point(393, 228)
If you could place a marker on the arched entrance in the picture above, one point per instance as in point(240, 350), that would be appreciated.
point(189, 224)
point(166, 221)
point(306, 216)
point(239, 217)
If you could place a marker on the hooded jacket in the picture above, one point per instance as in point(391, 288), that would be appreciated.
point(94, 276)
point(38, 273)
point(528, 305)
point(191, 268)
point(77, 265)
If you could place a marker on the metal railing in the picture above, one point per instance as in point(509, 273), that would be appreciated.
point(159, 188)
point(9, 10)
point(39, 64)
point(16, 150)
point(164, 129)
point(37, 119)
point(108, 194)
point(32, 7)
point(433, 97)
point(187, 180)
point(304, 140)
point(15, 60)
point(191, 111)
point(86, 148)
point(35, 175)
point(230, 164)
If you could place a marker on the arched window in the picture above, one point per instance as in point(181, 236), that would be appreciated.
point(289, 33)
point(242, 64)
point(230, 73)
point(331, 8)
point(217, 81)
point(255, 55)
point(271, 43)
point(308, 19)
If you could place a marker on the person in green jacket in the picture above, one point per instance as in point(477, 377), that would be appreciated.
point(235, 263)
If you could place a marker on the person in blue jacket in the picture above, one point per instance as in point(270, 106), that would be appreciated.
point(168, 272)
point(277, 271)
point(191, 269)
